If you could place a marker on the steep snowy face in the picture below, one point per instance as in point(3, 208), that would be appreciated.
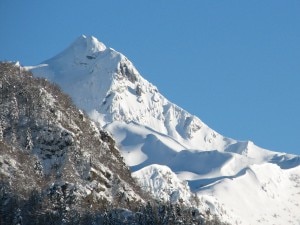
point(105, 83)
point(83, 70)
point(90, 73)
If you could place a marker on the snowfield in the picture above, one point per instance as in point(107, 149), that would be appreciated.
point(172, 153)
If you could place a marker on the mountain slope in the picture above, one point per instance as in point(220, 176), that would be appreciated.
point(46, 143)
point(151, 130)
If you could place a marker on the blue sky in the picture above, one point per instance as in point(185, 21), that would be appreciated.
point(234, 64)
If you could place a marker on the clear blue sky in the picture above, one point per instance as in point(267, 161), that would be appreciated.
point(235, 64)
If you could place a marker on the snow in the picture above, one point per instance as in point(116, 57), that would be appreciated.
point(163, 183)
point(171, 152)
point(272, 195)
point(7, 165)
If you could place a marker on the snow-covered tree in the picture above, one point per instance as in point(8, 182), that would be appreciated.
point(13, 138)
point(14, 108)
point(28, 143)
point(1, 131)
point(17, 220)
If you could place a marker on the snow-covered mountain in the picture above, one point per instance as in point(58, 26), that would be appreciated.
point(171, 152)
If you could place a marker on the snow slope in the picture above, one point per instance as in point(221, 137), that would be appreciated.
point(151, 132)
point(261, 194)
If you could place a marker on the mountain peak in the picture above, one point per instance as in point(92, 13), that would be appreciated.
point(89, 43)
point(83, 49)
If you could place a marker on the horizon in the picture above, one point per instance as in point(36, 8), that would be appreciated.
point(236, 64)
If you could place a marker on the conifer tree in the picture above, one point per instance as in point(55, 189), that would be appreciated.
point(14, 109)
point(29, 143)
point(1, 131)
point(17, 220)
point(13, 138)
